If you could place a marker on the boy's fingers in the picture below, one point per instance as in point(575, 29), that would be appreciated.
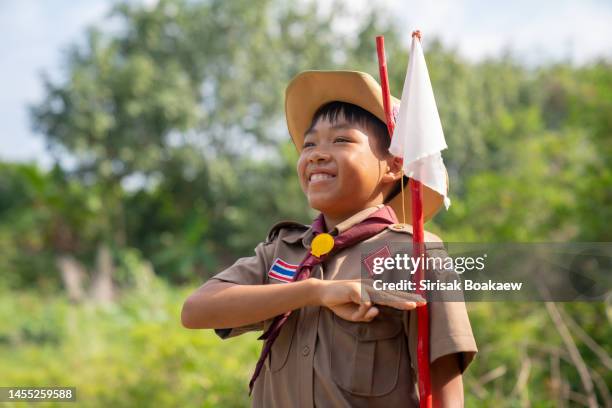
point(360, 296)
point(398, 300)
point(360, 313)
point(365, 296)
point(394, 297)
point(368, 290)
point(364, 313)
point(404, 305)
point(368, 284)
point(371, 313)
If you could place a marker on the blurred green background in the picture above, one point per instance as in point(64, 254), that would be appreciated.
point(179, 161)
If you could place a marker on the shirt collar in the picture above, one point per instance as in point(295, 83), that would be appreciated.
point(307, 235)
point(355, 219)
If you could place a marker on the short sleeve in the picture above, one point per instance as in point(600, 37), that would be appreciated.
point(246, 271)
point(449, 325)
point(249, 270)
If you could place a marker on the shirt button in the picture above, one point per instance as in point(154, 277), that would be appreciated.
point(305, 351)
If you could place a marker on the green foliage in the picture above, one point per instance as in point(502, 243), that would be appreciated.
point(41, 216)
point(523, 339)
point(131, 353)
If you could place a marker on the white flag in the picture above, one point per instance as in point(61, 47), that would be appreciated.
point(418, 137)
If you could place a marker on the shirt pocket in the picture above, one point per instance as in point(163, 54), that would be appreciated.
point(277, 358)
point(365, 356)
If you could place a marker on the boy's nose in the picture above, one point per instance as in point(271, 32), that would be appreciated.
point(318, 156)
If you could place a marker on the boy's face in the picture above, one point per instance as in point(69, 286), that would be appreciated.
point(342, 170)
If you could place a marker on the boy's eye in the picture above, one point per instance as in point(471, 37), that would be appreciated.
point(342, 139)
point(307, 144)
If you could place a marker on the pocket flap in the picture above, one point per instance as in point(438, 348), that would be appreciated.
point(384, 326)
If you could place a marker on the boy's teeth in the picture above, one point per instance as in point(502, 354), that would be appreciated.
point(320, 176)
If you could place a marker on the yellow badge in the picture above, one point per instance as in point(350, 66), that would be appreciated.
point(322, 244)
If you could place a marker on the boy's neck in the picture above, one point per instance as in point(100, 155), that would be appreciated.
point(331, 222)
point(348, 220)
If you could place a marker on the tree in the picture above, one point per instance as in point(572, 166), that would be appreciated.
point(181, 104)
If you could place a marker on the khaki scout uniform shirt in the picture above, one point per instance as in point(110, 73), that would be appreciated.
point(321, 360)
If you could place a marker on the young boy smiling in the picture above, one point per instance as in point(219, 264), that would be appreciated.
point(336, 348)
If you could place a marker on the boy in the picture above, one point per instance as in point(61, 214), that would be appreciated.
point(336, 348)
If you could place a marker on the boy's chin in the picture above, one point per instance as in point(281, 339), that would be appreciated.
point(322, 205)
point(328, 205)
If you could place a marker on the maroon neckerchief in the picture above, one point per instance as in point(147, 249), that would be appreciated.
point(372, 225)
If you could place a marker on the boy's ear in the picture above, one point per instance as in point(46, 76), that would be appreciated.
point(394, 169)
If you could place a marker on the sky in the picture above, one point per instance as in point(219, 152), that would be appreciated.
point(35, 34)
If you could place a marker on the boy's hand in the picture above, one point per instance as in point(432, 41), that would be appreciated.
point(352, 299)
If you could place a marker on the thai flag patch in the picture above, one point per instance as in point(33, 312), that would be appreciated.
point(282, 271)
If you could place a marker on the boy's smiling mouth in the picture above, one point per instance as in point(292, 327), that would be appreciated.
point(319, 175)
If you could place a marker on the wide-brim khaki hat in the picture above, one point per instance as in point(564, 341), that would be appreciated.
point(310, 90)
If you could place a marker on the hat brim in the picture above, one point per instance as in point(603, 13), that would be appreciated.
point(310, 90)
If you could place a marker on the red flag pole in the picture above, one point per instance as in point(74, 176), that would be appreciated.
point(425, 395)
point(384, 83)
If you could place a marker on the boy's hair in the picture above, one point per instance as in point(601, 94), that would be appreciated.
point(354, 114)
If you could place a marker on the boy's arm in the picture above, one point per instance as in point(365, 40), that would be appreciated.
point(239, 297)
point(447, 382)
point(218, 304)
